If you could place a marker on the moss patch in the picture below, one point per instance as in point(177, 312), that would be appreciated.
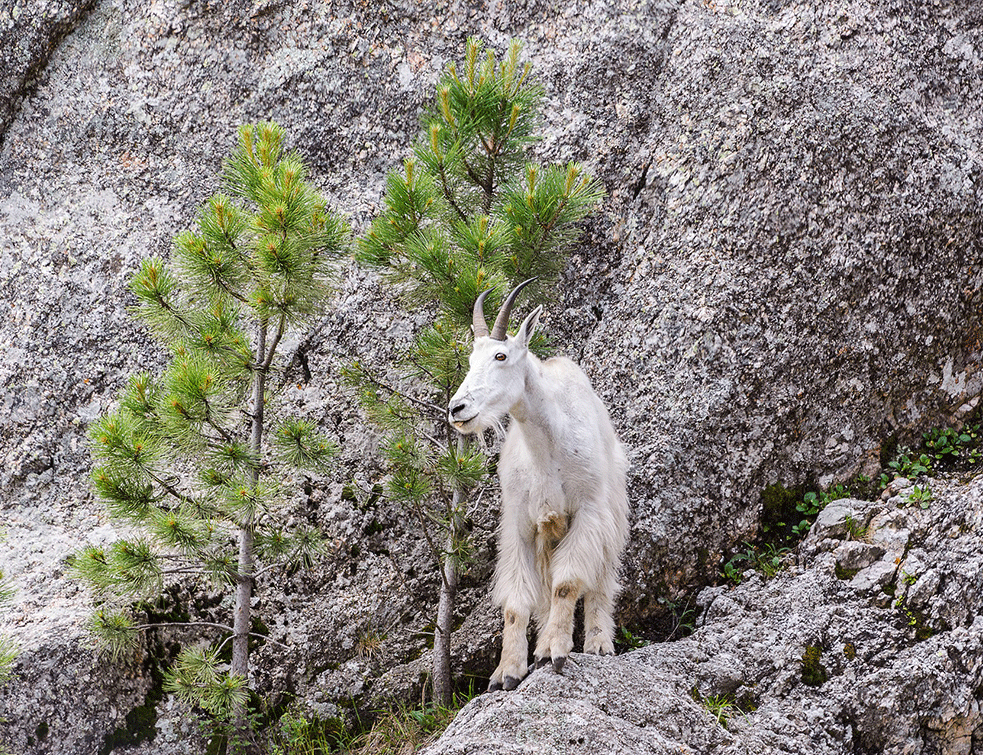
point(814, 674)
point(842, 573)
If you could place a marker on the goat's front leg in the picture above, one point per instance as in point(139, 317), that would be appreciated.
point(556, 638)
point(513, 666)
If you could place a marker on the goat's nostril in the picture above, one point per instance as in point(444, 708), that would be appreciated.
point(457, 408)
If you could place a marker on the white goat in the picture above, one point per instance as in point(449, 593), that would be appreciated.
point(564, 504)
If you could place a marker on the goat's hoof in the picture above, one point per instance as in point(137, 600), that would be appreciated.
point(558, 663)
point(494, 686)
point(540, 662)
point(511, 683)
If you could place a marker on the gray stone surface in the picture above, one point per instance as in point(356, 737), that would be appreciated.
point(901, 677)
point(30, 30)
point(785, 274)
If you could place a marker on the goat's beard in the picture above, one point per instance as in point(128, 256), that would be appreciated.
point(498, 435)
point(477, 426)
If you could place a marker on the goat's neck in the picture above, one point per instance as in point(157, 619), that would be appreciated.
point(532, 410)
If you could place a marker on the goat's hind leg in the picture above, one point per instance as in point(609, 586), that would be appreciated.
point(577, 568)
point(598, 620)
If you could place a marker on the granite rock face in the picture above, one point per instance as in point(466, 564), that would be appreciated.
point(811, 661)
point(29, 33)
point(785, 275)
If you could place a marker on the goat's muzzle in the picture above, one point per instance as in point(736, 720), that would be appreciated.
point(460, 415)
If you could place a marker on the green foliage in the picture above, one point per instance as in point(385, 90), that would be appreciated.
point(906, 465)
point(184, 460)
point(467, 213)
point(298, 734)
point(949, 445)
point(812, 503)
point(912, 618)
point(788, 513)
point(626, 639)
point(920, 495)
point(197, 678)
point(942, 449)
point(114, 630)
point(720, 707)
point(404, 729)
point(8, 648)
point(767, 559)
point(856, 530)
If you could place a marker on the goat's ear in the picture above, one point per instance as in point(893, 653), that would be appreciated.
point(528, 326)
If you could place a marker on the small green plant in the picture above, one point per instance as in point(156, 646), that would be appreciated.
point(812, 503)
point(855, 530)
point(901, 603)
point(766, 559)
point(683, 618)
point(942, 449)
point(948, 444)
point(402, 729)
point(769, 560)
point(920, 495)
point(732, 571)
point(909, 465)
point(625, 638)
point(720, 707)
point(8, 648)
point(297, 734)
point(914, 619)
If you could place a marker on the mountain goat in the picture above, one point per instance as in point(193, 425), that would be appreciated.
point(564, 504)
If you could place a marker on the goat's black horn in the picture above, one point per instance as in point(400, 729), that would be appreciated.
point(502, 321)
point(478, 316)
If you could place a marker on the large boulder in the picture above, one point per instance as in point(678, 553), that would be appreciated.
point(814, 661)
point(785, 276)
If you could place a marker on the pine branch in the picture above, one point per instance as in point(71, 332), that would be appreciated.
point(418, 510)
point(270, 567)
point(448, 195)
point(170, 489)
point(441, 411)
point(211, 624)
point(281, 328)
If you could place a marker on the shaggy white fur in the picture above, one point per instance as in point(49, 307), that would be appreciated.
point(564, 503)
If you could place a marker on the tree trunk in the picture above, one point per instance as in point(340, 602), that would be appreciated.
point(244, 578)
point(443, 688)
point(244, 592)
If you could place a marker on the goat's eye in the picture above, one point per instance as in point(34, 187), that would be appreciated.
point(500, 356)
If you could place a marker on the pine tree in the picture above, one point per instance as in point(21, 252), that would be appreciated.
point(467, 213)
point(185, 462)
